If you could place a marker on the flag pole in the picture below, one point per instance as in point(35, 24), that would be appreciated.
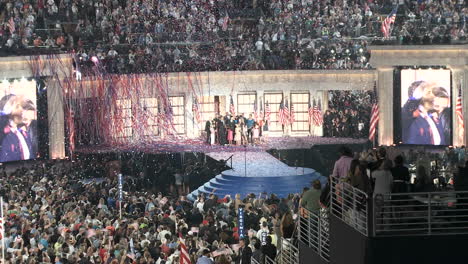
point(3, 231)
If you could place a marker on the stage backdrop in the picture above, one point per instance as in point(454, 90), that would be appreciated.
point(426, 117)
point(18, 120)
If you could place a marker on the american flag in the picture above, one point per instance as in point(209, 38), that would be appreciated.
point(374, 116)
point(184, 255)
point(292, 116)
point(388, 21)
point(11, 25)
point(2, 221)
point(287, 114)
point(232, 109)
point(255, 109)
point(318, 117)
point(267, 111)
point(196, 110)
point(281, 114)
point(311, 112)
point(225, 22)
point(261, 110)
point(459, 112)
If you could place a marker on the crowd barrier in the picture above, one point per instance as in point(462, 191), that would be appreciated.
point(314, 231)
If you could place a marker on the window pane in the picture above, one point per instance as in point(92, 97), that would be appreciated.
point(301, 111)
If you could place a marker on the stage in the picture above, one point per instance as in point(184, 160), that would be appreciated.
point(199, 146)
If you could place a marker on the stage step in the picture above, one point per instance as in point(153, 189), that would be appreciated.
point(282, 186)
point(264, 174)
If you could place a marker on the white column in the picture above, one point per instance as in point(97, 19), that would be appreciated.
point(56, 120)
point(385, 97)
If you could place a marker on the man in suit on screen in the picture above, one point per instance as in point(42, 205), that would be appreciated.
point(426, 128)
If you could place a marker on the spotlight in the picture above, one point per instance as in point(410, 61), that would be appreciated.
point(332, 51)
point(347, 51)
point(361, 50)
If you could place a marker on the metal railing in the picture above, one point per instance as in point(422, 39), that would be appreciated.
point(350, 205)
point(268, 260)
point(288, 253)
point(429, 213)
point(314, 231)
point(254, 261)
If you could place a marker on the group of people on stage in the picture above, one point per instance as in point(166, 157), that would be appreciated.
point(235, 130)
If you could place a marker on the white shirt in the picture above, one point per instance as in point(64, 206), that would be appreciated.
point(383, 181)
point(259, 45)
point(24, 146)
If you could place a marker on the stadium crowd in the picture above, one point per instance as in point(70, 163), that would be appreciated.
point(54, 212)
point(348, 114)
point(221, 35)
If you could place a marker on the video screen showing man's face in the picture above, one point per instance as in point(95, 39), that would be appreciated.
point(18, 121)
point(425, 107)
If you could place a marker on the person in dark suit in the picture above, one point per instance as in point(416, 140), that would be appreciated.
point(426, 129)
point(207, 130)
point(269, 249)
point(245, 253)
point(400, 174)
point(441, 107)
point(410, 108)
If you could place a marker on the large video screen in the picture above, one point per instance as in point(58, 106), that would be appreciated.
point(426, 111)
point(18, 120)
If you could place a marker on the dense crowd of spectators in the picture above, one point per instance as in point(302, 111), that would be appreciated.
point(180, 35)
point(56, 213)
point(348, 114)
point(391, 169)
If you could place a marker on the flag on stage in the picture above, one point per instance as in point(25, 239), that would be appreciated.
point(281, 115)
point(184, 255)
point(459, 112)
point(292, 117)
point(287, 114)
point(311, 112)
point(232, 109)
point(262, 117)
point(318, 113)
point(388, 21)
point(316, 121)
point(267, 111)
point(255, 109)
point(11, 25)
point(374, 120)
point(196, 110)
point(2, 223)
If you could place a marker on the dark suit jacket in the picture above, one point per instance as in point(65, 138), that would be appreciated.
point(245, 254)
point(407, 117)
point(11, 147)
point(420, 132)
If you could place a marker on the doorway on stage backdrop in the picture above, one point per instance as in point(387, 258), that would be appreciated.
point(301, 111)
point(274, 101)
point(210, 107)
point(149, 114)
